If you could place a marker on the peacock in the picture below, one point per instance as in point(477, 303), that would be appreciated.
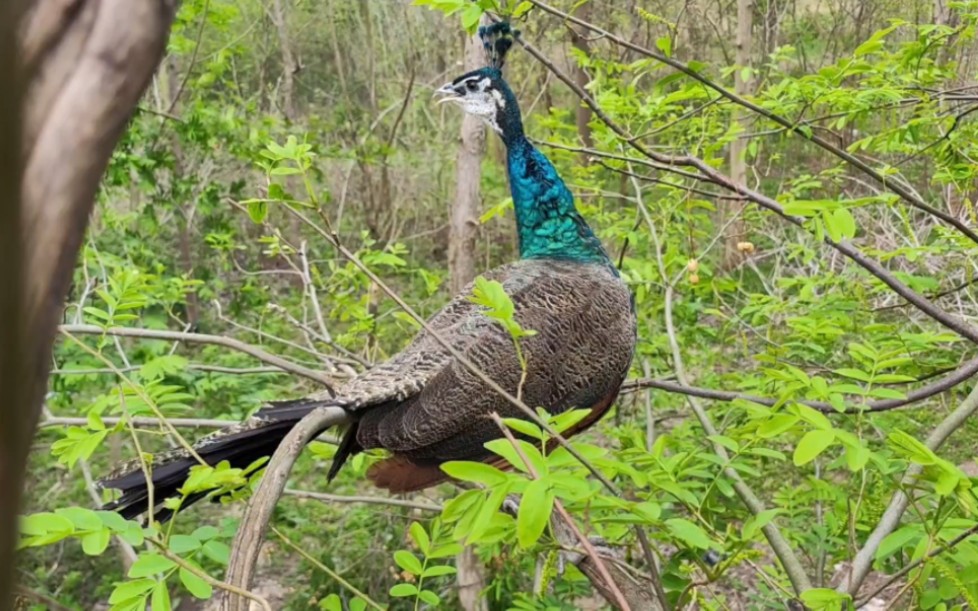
point(423, 406)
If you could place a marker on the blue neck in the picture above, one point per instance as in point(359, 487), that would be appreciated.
point(548, 223)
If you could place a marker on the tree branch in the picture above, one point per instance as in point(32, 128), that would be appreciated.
point(202, 338)
point(251, 533)
point(370, 500)
point(863, 561)
point(958, 376)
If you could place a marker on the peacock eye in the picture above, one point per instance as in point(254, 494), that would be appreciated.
point(470, 85)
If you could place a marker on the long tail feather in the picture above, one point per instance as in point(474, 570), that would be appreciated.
point(240, 445)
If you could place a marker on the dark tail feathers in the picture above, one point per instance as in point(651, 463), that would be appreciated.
point(240, 445)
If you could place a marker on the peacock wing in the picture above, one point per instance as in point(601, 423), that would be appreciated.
point(583, 341)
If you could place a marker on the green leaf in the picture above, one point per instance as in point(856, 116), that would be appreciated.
point(439, 570)
point(420, 537)
point(131, 589)
point(429, 597)
point(855, 374)
point(825, 599)
point(856, 457)
point(195, 585)
point(402, 590)
point(527, 428)
point(181, 544)
point(567, 420)
point(911, 449)
point(95, 542)
point(149, 563)
point(896, 540)
point(358, 604)
point(257, 211)
point(218, 551)
point(812, 416)
point(844, 223)
point(205, 532)
point(755, 523)
point(664, 44)
point(283, 170)
point(44, 523)
point(445, 551)
point(689, 533)
point(521, 9)
point(811, 445)
point(534, 512)
point(160, 601)
point(477, 472)
point(470, 17)
point(332, 602)
point(408, 561)
point(504, 448)
point(777, 424)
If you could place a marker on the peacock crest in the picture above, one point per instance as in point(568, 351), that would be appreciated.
point(497, 39)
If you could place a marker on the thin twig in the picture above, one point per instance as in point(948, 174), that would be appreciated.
point(960, 375)
point(227, 587)
point(182, 423)
point(370, 500)
point(322, 567)
point(190, 366)
point(202, 338)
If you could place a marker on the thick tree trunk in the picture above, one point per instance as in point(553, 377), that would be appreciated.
point(289, 64)
point(465, 210)
point(464, 223)
point(731, 210)
point(73, 72)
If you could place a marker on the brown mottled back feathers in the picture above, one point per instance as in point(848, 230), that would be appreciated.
point(583, 346)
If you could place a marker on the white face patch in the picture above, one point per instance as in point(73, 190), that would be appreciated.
point(477, 97)
point(500, 100)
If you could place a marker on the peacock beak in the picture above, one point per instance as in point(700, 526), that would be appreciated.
point(448, 91)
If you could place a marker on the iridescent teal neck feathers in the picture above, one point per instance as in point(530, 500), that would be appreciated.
point(548, 223)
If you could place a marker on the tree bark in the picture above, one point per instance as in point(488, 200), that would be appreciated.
point(468, 172)
point(464, 223)
point(289, 64)
point(73, 72)
point(583, 113)
point(729, 214)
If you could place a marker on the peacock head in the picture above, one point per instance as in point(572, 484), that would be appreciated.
point(483, 93)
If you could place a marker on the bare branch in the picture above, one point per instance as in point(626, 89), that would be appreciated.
point(370, 500)
point(202, 338)
point(958, 376)
point(250, 536)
